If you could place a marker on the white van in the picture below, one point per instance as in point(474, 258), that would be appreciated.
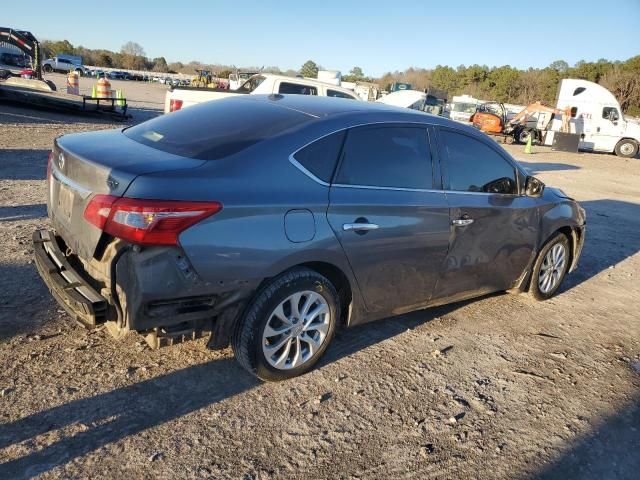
point(597, 117)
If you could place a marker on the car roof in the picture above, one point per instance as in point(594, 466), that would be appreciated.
point(324, 107)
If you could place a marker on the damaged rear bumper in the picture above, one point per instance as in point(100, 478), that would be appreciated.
point(73, 293)
point(158, 291)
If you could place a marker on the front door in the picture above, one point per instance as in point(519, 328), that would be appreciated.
point(391, 223)
point(609, 127)
point(493, 228)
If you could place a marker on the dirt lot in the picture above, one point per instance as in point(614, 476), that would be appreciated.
point(500, 387)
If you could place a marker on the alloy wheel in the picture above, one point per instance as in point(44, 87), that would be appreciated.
point(296, 330)
point(552, 268)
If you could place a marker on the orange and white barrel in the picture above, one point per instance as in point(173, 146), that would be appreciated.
point(73, 84)
point(104, 88)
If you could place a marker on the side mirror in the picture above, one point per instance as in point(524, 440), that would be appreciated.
point(533, 187)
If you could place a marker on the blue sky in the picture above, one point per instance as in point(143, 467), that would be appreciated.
point(377, 36)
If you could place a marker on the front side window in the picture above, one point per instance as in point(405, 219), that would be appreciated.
point(610, 113)
point(476, 167)
point(297, 89)
point(321, 156)
point(387, 157)
point(338, 94)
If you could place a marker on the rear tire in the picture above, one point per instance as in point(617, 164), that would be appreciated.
point(627, 148)
point(550, 267)
point(273, 349)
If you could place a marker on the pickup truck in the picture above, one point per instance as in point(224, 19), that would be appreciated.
point(64, 65)
point(263, 83)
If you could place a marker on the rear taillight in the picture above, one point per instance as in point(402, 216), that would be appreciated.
point(49, 161)
point(175, 105)
point(146, 222)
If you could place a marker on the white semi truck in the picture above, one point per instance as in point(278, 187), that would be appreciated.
point(597, 117)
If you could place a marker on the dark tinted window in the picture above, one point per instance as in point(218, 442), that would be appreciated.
point(610, 113)
point(320, 157)
point(338, 94)
point(476, 167)
point(296, 89)
point(387, 157)
point(213, 130)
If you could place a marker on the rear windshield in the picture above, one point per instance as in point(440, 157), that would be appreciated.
point(215, 129)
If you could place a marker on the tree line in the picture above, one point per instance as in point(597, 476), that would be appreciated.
point(503, 84)
point(511, 85)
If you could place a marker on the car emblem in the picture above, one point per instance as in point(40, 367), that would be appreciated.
point(112, 183)
point(61, 161)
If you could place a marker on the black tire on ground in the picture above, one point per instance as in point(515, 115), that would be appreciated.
point(47, 68)
point(115, 331)
point(534, 285)
point(627, 148)
point(247, 338)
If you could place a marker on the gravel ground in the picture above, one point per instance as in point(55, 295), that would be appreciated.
point(499, 387)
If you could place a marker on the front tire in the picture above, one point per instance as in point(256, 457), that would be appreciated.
point(47, 68)
point(288, 325)
point(550, 267)
point(626, 148)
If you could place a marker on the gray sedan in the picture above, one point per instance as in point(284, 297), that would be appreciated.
point(267, 222)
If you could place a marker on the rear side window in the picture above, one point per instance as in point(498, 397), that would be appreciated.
point(214, 130)
point(297, 89)
point(387, 157)
point(321, 156)
point(476, 167)
point(339, 94)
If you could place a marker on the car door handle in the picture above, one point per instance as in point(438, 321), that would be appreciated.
point(347, 227)
point(461, 222)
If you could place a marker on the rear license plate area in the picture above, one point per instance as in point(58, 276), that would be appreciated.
point(65, 201)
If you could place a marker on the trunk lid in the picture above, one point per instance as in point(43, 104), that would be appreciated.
point(102, 162)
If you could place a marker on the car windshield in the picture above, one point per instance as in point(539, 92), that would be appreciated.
point(217, 129)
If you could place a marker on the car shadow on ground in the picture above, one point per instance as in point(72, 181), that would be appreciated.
point(22, 212)
point(611, 237)
point(112, 416)
point(23, 164)
point(609, 452)
point(25, 303)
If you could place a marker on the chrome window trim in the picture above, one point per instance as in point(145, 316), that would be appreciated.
point(465, 192)
point(398, 189)
point(300, 167)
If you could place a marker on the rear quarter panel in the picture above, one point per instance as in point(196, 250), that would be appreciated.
point(246, 242)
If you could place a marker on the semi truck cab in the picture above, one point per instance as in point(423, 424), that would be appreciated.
point(597, 117)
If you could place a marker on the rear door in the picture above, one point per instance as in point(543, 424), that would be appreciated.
point(493, 228)
point(390, 217)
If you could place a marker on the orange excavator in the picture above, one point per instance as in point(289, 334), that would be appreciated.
point(491, 118)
